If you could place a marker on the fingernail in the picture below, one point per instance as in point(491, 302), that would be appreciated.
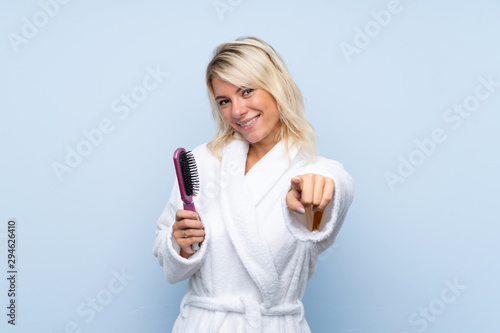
point(296, 178)
point(315, 209)
point(195, 216)
point(301, 210)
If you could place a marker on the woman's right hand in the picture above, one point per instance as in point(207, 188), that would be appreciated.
point(188, 229)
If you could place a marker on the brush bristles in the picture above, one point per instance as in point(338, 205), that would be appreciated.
point(189, 173)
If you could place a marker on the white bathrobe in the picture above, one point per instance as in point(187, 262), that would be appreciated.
point(251, 271)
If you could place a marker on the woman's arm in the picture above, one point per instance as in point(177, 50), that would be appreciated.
point(166, 248)
point(318, 180)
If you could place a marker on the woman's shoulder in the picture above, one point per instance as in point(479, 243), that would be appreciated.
point(202, 152)
point(321, 160)
point(318, 160)
point(322, 166)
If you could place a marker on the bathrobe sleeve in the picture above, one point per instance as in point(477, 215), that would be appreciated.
point(166, 249)
point(334, 213)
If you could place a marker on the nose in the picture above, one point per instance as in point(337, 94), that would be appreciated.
point(239, 108)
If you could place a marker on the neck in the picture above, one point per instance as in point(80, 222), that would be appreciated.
point(256, 152)
point(259, 149)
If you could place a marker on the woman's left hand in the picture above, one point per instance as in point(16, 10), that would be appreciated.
point(310, 190)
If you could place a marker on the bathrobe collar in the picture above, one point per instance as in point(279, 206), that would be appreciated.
point(268, 170)
point(239, 196)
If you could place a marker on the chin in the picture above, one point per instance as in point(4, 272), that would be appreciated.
point(252, 138)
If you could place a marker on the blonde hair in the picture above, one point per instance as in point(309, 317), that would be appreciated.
point(251, 62)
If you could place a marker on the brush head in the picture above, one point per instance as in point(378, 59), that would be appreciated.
point(187, 174)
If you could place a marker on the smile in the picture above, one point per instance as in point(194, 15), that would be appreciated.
point(248, 123)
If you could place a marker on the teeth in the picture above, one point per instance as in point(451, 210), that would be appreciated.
point(249, 122)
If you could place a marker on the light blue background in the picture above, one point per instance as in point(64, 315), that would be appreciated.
point(397, 248)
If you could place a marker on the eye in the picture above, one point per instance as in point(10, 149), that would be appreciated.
point(223, 102)
point(247, 91)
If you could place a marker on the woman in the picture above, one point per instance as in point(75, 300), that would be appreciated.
point(261, 185)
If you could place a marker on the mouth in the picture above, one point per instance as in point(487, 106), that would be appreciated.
point(249, 122)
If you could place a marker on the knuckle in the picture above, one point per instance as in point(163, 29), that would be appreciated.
point(324, 203)
point(307, 201)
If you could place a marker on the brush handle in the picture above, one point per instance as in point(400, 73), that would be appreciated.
point(190, 206)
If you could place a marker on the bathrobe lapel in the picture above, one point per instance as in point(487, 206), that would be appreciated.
point(268, 170)
point(239, 197)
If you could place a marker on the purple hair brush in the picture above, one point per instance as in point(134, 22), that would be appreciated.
point(187, 177)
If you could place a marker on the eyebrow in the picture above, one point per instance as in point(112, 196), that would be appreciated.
point(237, 91)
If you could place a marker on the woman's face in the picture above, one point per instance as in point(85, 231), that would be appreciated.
point(252, 112)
